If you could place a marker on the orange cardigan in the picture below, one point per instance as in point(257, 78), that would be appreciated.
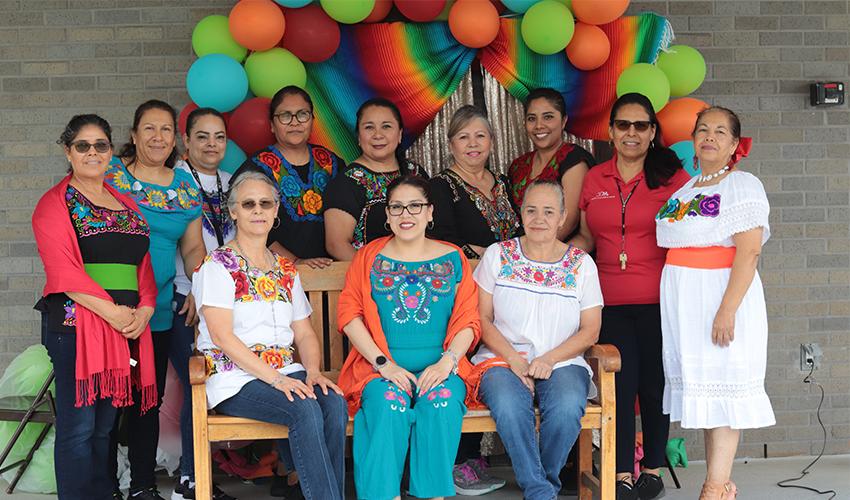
point(355, 301)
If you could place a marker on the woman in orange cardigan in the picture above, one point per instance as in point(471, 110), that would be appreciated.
point(410, 310)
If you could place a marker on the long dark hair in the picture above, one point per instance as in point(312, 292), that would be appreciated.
point(128, 150)
point(381, 102)
point(661, 163)
point(197, 114)
point(411, 180)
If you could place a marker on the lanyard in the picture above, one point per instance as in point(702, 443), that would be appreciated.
point(217, 219)
point(623, 203)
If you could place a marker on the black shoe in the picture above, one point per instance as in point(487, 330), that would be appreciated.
point(185, 490)
point(117, 495)
point(282, 489)
point(649, 486)
point(626, 490)
point(147, 494)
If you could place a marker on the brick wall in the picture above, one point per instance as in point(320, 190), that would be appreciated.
point(60, 57)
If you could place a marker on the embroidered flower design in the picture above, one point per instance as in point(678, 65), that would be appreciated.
point(266, 288)
point(710, 206)
point(669, 209)
point(119, 180)
point(273, 358)
point(70, 313)
point(312, 201)
point(270, 159)
point(320, 180)
point(81, 211)
point(411, 301)
point(437, 283)
point(445, 393)
point(226, 258)
point(387, 281)
point(390, 396)
point(289, 186)
point(156, 198)
point(323, 159)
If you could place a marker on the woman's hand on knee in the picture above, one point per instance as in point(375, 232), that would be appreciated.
point(316, 378)
point(434, 375)
point(540, 368)
point(292, 386)
point(399, 376)
point(519, 366)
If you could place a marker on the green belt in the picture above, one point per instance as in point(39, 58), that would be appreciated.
point(114, 276)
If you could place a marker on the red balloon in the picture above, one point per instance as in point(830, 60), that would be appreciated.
point(379, 11)
point(500, 7)
point(184, 115)
point(420, 11)
point(311, 35)
point(678, 119)
point(249, 126)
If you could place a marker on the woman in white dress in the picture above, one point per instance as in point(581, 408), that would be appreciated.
point(713, 314)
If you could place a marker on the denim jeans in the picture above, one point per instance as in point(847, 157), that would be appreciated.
point(81, 449)
point(562, 400)
point(316, 432)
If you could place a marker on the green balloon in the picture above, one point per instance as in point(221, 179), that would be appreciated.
point(271, 70)
point(212, 36)
point(348, 11)
point(547, 27)
point(645, 79)
point(684, 67)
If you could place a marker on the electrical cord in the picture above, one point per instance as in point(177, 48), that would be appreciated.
point(784, 483)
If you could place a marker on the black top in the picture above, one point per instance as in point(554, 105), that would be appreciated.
point(302, 196)
point(463, 215)
point(362, 193)
point(105, 236)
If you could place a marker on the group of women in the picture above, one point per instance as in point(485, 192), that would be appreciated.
point(429, 335)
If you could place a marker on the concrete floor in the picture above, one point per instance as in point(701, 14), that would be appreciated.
point(756, 480)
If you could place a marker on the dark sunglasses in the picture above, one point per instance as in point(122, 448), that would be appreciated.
point(250, 204)
point(414, 208)
point(625, 125)
point(84, 146)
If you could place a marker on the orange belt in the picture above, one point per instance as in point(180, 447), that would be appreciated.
point(701, 257)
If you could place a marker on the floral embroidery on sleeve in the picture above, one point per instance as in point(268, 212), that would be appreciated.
point(702, 205)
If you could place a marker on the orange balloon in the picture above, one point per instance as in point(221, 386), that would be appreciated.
point(379, 11)
point(256, 24)
point(599, 11)
point(678, 118)
point(474, 23)
point(589, 48)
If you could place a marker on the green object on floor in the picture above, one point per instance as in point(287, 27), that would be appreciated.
point(676, 453)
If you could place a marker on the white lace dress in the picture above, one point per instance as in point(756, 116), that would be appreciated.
point(709, 386)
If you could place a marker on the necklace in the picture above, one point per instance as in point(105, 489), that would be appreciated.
point(216, 215)
point(706, 178)
point(271, 269)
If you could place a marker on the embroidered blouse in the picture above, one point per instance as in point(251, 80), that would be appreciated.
point(567, 156)
point(465, 216)
point(303, 197)
point(362, 193)
point(264, 306)
point(112, 244)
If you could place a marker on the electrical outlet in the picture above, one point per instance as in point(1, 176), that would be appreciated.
point(810, 356)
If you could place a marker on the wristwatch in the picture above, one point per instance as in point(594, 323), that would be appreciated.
point(380, 362)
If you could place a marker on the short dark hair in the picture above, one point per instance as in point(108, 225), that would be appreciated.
point(382, 102)
point(734, 121)
point(128, 150)
point(412, 180)
point(199, 113)
point(77, 122)
point(285, 91)
point(552, 96)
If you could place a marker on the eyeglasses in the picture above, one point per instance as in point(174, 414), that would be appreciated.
point(250, 204)
point(625, 125)
point(414, 208)
point(285, 118)
point(83, 147)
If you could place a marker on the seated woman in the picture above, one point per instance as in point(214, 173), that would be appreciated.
point(254, 313)
point(541, 306)
point(410, 310)
point(356, 198)
point(472, 205)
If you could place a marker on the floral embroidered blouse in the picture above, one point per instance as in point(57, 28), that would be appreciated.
point(112, 243)
point(264, 306)
point(415, 301)
point(537, 305)
point(362, 193)
point(567, 156)
point(168, 210)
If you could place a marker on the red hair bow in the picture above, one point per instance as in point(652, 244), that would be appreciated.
point(742, 151)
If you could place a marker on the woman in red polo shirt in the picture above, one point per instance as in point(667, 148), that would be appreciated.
point(618, 203)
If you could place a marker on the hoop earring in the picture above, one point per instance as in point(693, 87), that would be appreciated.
point(387, 227)
point(277, 223)
point(430, 224)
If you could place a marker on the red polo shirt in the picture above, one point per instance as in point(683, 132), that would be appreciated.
point(600, 201)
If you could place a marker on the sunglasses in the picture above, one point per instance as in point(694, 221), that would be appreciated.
point(84, 146)
point(414, 208)
point(285, 118)
point(625, 125)
point(264, 204)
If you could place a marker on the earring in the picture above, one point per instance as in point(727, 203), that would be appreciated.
point(276, 223)
point(431, 224)
point(387, 226)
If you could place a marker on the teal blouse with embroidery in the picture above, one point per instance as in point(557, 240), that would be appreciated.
point(415, 301)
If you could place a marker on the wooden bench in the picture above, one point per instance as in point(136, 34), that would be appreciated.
point(323, 288)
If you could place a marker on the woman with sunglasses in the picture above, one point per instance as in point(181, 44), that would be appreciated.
point(357, 197)
point(97, 302)
point(553, 158)
point(254, 316)
point(410, 310)
point(618, 204)
point(171, 203)
point(302, 171)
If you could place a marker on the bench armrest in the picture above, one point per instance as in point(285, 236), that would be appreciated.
point(197, 370)
point(607, 355)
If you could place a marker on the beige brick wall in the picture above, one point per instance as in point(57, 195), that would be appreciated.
point(61, 57)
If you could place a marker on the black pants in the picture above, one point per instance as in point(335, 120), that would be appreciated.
point(142, 431)
point(635, 330)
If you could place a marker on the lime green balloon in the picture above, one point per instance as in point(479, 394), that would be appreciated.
point(271, 70)
point(348, 11)
point(648, 80)
point(684, 67)
point(547, 27)
point(212, 36)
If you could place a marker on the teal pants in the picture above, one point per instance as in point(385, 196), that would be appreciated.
point(388, 420)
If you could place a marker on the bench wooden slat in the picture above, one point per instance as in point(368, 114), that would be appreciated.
point(316, 318)
point(334, 337)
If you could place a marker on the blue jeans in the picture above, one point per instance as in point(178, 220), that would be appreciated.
point(561, 399)
point(316, 432)
point(81, 450)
